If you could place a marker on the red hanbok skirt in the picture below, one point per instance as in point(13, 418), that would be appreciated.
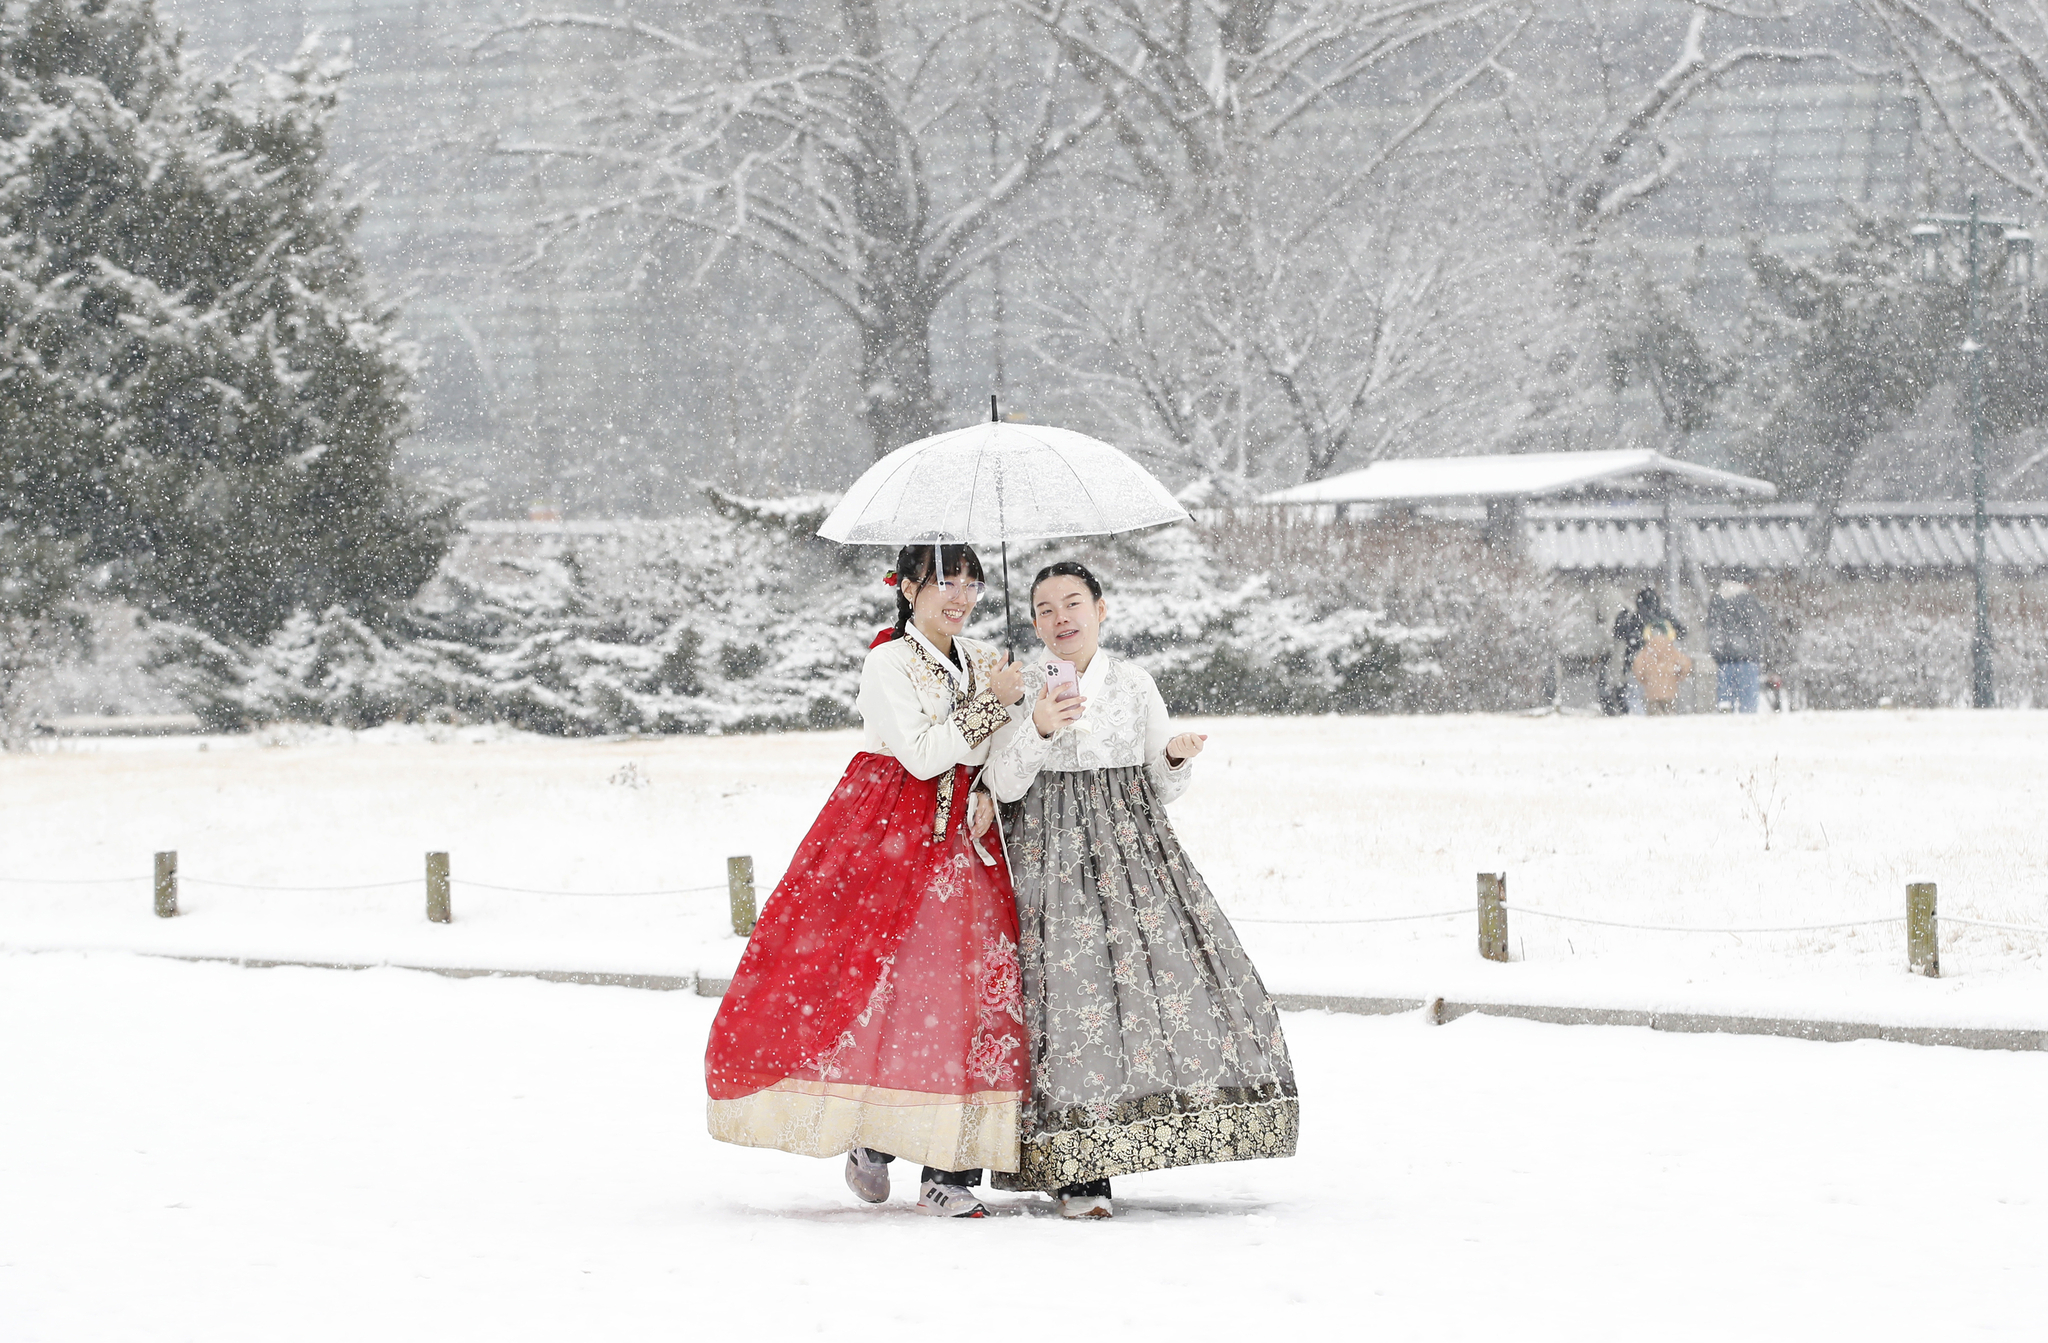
point(878, 1004)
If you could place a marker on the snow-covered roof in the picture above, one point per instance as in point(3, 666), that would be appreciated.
point(1868, 537)
point(1529, 475)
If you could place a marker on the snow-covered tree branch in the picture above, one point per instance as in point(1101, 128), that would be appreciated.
point(820, 140)
point(1996, 48)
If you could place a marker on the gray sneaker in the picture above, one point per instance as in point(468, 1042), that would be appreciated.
point(948, 1200)
point(867, 1176)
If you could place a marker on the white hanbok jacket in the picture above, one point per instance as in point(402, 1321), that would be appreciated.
point(1126, 724)
point(930, 715)
point(916, 706)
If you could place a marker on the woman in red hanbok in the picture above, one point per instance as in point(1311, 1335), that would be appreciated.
point(877, 1011)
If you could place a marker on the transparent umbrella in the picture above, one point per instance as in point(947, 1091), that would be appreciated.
point(1000, 482)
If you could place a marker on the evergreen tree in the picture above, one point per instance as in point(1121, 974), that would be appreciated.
point(1843, 348)
point(197, 387)
point(1847, 345)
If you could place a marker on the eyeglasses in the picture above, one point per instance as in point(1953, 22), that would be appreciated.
point(950, 588)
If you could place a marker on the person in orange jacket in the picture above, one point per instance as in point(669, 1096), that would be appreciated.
point(1661, 666)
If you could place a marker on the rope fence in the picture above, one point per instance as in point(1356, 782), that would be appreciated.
point(350, 886)
point(70, 881)
point(529, 890)
point(1921, 919)
point(2002, 927)
point(255, 886)
point(1683, 928)
point(1385, 918)
point(165, 881)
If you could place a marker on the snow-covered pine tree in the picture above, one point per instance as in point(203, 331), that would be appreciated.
point(1840, 348)
point(213, 391)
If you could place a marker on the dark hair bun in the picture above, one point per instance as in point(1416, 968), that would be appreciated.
point(1067, 569)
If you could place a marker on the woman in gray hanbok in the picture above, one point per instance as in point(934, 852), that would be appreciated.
point(1153, 1041)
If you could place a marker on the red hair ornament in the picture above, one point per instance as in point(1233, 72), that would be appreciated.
point(892, 578)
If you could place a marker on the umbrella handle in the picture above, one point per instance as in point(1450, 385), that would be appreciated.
point(1009, 632)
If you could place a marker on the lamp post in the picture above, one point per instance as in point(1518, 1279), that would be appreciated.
point(1928, 235)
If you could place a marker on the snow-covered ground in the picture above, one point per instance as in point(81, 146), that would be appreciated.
point(1634, 820)
point(199, 1152)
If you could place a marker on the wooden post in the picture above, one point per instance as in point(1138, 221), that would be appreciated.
point(1923, 956)
point(167, 885)
point(739, 889)
point(439, 908)
point(1493, 915)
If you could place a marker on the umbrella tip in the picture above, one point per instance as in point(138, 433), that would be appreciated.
point(992, 416)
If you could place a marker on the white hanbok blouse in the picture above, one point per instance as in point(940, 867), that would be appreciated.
point(916, 706)
point(1127, 725)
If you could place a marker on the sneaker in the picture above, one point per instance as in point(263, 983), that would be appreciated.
point(1090, 1207)
point(948, 1200)
point(867, 1176)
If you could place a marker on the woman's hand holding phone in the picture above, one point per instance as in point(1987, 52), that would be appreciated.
point(1049, 715)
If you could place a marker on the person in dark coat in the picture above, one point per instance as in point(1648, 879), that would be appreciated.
point(1736, 624)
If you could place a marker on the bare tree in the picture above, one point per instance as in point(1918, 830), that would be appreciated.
point(1997, 48)
point(1197, 93)
point(1590, 103)
point(815, 138)
point(1264, 328)
point(1597, 130)
point(1357, 347)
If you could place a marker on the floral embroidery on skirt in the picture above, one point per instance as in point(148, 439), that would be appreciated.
point(1153, 1041)
point(877, 1002)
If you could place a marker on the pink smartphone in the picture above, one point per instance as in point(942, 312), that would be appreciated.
point(1061, 682)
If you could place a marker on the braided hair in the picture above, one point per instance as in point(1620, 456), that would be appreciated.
point(914, 565)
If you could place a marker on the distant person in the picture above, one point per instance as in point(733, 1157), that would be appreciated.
point(1736, 623)
point(1629, 628)
point(1661, 666)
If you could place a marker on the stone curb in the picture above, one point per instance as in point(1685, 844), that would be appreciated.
point(1441, 1010)
point(1683, 1023)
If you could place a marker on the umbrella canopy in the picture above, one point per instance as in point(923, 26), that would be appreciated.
point(1000, 482)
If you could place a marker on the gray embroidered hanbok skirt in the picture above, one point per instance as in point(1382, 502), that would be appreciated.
point(1153, 1041)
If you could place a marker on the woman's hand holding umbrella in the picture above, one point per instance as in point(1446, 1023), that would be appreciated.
point(1006, 682)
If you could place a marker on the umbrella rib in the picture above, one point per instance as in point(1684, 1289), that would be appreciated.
point(893, 473)
point(973, 488)
point(1027, 483)
point(1072, 472)
point(908, 463)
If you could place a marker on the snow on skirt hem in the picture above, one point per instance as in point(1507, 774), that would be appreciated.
point(826, 1119)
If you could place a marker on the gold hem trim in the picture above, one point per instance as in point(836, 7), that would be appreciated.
point(825, 1119)
point(1243, 1132)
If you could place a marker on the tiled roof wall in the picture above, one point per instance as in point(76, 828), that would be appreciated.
point(1899, 537)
